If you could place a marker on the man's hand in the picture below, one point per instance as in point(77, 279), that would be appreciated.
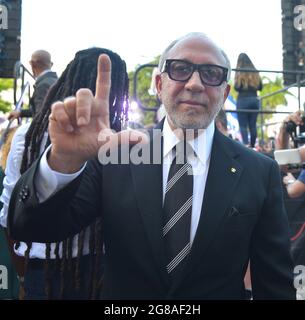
point(76, 123)
point(288, 179)
point(14, 115)
point(295, 117)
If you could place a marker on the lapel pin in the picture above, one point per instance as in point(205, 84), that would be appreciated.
point(233, 170)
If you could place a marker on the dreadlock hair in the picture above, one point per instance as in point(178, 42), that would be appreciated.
point(81, 72)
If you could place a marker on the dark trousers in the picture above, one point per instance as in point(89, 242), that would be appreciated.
point(247, 120)
point(35, 280)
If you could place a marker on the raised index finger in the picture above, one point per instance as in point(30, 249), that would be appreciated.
point(103, 80)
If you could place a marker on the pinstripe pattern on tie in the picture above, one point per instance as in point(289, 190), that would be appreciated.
point(177, 213)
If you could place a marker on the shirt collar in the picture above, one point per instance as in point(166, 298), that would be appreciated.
point(43, 73)
point(202, 145)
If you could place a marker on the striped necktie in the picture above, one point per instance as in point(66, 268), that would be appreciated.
point(177, 210)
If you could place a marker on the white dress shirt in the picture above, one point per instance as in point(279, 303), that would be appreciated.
point(200, 161)
point(48, 181)
point(12, 174)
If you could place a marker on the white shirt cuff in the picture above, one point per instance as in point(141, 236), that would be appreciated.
point(48, 181)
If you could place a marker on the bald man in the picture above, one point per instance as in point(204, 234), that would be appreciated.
point(41, 65)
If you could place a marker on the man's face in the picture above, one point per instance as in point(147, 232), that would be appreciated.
point(191, 104)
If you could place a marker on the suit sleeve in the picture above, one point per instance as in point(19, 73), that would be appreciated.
point(63, 215)
point(26, 113)
point(37, 99)
point(40, 93)
point(270, 260)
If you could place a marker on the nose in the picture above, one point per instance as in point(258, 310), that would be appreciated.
point(194, 83)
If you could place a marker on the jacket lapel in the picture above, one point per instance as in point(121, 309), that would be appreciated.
point(147, 182)
point(224, 173)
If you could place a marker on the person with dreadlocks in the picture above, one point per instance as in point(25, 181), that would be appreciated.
point(79, 255)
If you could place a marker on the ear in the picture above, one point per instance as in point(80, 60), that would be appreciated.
point(158, 83)
point(226, 92)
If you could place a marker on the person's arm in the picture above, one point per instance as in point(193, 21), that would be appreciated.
point(26, 113)
point(295, 188)
point(14, 114)
point(78, 127)
point(271, 262)
point(63, 214)
point(23, 113)
point(282, 141)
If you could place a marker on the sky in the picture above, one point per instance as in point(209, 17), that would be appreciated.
point(139, 30)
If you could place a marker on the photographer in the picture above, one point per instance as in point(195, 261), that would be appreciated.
point(283, 137)
point(295, 187)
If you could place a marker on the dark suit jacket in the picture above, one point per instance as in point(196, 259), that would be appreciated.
point(242, 218)
point(41, 88)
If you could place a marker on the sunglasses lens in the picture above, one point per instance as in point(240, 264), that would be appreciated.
point(212, 75)
point(180, 70)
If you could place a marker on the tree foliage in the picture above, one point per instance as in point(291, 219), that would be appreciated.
point(5, 84)
point(146, 98)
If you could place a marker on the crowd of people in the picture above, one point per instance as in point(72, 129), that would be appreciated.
point(79, 228)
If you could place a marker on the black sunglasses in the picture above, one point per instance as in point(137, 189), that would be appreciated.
point(182, 70)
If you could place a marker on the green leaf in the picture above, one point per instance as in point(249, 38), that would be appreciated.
point(5, 84)
point(144, 79)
